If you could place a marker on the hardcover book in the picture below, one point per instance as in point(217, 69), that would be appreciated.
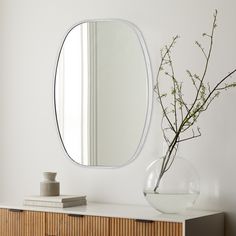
point(55, 201)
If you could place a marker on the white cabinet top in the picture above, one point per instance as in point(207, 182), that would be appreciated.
point(117, 210)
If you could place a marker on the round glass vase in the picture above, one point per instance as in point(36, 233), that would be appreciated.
point(178, 188)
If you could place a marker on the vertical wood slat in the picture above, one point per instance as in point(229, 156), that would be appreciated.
point(30, 223)
point(53, 223)
point(74, 226)
point(66, 225)
point(121, 227)
point(98, 226)
point(12, 223)
point(34, 223)
point(3, 221)
point(158, 229)
point(86, 226)
point(127, 227)
point(25, 223)
point(15, 224)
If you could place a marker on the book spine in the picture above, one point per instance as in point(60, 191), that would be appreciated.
point(54, 204)
point(55, 199)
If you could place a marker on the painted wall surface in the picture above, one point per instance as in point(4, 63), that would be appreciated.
point(31, 34)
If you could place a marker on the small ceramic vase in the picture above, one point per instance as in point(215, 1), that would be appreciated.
point(49, 187)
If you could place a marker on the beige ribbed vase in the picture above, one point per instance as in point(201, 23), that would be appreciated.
point(49, 187)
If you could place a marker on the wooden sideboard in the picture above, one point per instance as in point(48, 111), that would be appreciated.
point(97, 219)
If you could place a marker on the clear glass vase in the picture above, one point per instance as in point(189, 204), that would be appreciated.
point(178, 188)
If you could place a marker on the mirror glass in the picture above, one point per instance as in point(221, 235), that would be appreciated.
point(103, 93)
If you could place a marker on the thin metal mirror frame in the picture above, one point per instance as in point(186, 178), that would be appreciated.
point(149, 93)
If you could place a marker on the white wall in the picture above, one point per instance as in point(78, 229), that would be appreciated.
point(30, 36)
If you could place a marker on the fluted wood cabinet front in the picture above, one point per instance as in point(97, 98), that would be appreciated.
point(30, 223)
point(156, 228)
point(76, 225)
point(121, 227)
point(127, 227)
point(12, 223)
point(15, 222)
point(54, 223)
point(34, 223)
point(21, 223)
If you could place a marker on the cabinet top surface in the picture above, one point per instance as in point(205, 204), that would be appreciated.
point(117, 210)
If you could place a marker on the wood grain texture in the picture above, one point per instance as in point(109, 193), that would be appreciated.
point(12, 223)
point(158, 228)
point(30, 223)
point(98, 226)
point(3, 221)
point(121, 227)
point(53, 223)
point(72, 225)
point(24, 223)
point(127, 227)
point(34, 223)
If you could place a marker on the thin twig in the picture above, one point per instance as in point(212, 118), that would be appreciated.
point(203, 98)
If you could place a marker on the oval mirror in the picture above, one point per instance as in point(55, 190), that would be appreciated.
point(103, 93)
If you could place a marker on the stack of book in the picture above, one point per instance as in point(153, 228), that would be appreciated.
point(55, 201)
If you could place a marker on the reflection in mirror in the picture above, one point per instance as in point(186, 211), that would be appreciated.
point(103, 93)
